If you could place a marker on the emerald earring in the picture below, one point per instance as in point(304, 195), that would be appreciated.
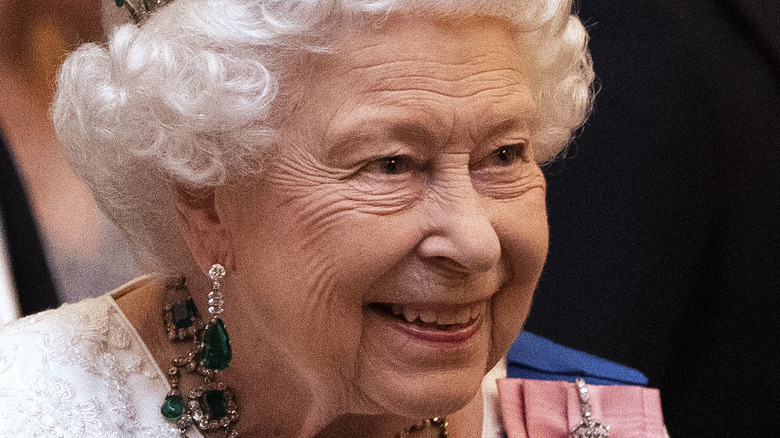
point(217, 353)
point(211, 405)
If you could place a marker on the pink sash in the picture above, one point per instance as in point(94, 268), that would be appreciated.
point(542, 409)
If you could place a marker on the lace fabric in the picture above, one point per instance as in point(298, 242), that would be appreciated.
point(80, 371)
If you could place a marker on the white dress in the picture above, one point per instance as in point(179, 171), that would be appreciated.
point(83, 371)
point(80, 371)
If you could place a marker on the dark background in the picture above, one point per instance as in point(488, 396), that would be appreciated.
point(665, 241)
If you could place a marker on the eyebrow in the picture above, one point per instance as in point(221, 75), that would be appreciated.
point(388, 128)
point(508, 124)
point(411, 131)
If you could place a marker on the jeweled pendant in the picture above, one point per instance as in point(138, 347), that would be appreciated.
point(184, 314)
point(591, 429)
point(217, 353)
point(172, 408)
point(213, 404)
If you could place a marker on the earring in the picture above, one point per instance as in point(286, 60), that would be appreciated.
point(217, 352)
point(211, 405)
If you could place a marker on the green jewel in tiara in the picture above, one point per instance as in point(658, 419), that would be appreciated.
point(140, 10)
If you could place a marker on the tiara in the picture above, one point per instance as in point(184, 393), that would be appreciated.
point(140, 10)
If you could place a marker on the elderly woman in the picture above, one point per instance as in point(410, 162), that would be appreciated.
point(341, 203)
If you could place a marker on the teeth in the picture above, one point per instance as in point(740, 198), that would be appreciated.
point(410, 314)
point(453, 316)
point(446, 317)
point(459, 315)
point(428, 316)
point(463, 316)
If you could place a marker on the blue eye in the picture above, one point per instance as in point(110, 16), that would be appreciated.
point(394, 165)
point(505, 155)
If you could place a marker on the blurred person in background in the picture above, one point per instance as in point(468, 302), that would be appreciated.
point(57, 246)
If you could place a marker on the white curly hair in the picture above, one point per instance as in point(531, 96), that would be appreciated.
point(188, 98)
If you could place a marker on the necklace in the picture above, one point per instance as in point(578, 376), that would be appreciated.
point(437, 422)
point(212, 404)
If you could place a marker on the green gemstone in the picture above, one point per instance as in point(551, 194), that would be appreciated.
point(214, 404)
point(183, 313)
point(119, 3)
point(172, 408)
point(217, 352)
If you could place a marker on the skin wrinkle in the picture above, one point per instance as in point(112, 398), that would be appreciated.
point(455, 91)
point(328, 296)
point(457, 70)
point(303, 169)
point(531, 179)
point(419, 96)
point(330, 300)
point(318, 224)
point(469, 85)
point(382, 204)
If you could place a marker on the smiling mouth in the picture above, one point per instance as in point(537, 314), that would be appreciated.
point(451, 319)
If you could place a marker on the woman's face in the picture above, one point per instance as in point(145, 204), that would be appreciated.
point(391, 247)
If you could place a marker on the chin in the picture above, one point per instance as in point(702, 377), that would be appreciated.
point(424, 395)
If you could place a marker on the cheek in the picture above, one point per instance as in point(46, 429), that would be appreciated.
point(286, 252)
point(523, 233)
point(522, 230)
point(308, 258)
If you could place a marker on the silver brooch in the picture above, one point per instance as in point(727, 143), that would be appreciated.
point(588, 428)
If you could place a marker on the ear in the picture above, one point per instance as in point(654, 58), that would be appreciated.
point(202, 227)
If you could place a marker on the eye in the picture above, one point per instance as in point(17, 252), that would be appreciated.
point(395, 165)
point(505, 155)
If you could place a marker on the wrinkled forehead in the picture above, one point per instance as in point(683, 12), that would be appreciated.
point(452, 47)
point(426, 71)
point(465, 44)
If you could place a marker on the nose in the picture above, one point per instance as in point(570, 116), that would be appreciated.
point(460, 237)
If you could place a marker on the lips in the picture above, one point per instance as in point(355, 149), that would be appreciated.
point(432, 323)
